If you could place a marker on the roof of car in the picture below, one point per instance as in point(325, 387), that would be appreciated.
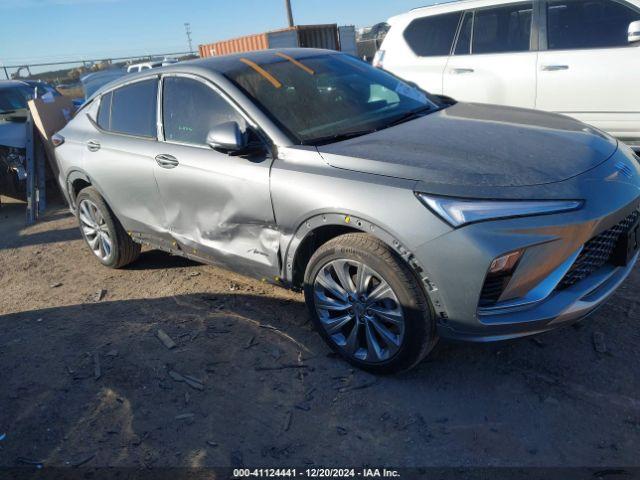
point(443, 7)
point(12, 84)
point(222, 65)
point(228, 63)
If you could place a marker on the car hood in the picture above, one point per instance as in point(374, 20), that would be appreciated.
point(13, 132)
point(477, 145)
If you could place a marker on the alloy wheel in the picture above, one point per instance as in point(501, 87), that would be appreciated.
point(95, 229)
point(359, 310)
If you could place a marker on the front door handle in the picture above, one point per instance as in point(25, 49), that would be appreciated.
point(554, 68)
point(460, 71)
point(167, 161)
point(93, 145)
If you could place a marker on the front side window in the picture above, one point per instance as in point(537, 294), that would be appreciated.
point(575, 24)
point(191, 109)
point(432, 36)
point(463, 47)
point(503, 29)
point(133, 109)
point(318, 98)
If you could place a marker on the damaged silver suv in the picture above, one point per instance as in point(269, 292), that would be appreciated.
point(403, 216)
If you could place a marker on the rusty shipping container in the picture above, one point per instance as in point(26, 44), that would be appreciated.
point(305, 36)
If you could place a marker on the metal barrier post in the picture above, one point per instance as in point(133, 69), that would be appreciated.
point(31, 170)
point(41, 172)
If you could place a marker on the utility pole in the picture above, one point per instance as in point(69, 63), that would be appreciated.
point(289, 12)
point(187, 28)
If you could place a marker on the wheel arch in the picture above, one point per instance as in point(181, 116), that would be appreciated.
point(77, 180)
point(319, 229)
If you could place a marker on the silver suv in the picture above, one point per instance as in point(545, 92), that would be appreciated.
point(403, 216)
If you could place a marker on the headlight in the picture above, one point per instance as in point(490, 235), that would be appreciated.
point(458, 212)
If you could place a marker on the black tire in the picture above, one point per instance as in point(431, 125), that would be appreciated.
point(124, 250)
point(420, 335)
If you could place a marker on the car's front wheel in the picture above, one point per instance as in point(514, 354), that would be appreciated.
point(102, 231)
point(368, 305)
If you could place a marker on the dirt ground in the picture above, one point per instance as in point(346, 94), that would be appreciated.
point(85, 380)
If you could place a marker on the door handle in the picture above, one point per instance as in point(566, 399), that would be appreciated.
point(93, 145)
point(167, 161)
point(460, 71)
point(554, 68)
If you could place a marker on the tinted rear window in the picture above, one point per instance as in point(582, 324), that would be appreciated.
point(133, 109)
point(503, 29)
point(104, 114)
point(432, 36)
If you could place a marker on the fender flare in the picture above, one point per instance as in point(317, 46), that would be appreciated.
point(357, 223)
point(72, 177)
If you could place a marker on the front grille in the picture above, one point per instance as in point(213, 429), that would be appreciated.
point(493, 287)
point(597, 252)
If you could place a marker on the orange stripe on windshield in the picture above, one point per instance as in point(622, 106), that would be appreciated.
point(296, 63)
point(267, 76)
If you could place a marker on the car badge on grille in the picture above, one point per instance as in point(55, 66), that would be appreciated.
point(624, 169)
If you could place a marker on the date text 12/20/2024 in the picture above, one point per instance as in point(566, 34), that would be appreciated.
point(315, 473)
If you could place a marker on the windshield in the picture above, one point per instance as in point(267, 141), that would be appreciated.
point(328, 97)
point(13, 98)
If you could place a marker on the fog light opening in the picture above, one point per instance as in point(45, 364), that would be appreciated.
point(506, 263)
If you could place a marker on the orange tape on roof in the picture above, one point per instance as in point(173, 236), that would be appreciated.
point(267, 76)
point(296, 63)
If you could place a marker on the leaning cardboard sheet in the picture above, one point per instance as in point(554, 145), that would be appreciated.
point(50, 114)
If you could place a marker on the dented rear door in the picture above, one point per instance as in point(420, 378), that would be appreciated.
point(218, 207)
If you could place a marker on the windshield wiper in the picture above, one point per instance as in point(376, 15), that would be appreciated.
point(339, 137)
point(411, 115)
point(5, 112)
point(405, 117)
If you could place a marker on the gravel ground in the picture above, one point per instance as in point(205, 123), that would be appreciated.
point(84, 378)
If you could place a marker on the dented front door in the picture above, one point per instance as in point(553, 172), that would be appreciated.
point(218, 207)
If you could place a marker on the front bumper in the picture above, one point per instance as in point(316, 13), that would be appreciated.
point(457, 263)
point(560, 308)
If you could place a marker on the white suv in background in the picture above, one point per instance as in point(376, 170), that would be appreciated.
point(576, 57)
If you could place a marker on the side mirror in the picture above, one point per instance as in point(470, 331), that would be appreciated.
point(634, 32)
point(227, 138)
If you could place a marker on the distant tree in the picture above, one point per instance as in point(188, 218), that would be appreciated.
point(76, 73)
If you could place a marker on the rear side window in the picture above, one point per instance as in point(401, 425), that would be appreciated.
point(133, 109)
point(574, 24)
point(104, 114)
point(503, 29)
point(432, 36)
point(191, 109)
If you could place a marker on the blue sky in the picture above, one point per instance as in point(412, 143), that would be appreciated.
point(54, 30)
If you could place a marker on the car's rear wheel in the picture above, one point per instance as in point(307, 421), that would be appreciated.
point(102, 231)
point(368, 305)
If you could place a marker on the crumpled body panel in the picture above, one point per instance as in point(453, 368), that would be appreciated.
point(218, 207)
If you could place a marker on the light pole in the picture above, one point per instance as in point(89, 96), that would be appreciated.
point(187, 28)
point(289, 12)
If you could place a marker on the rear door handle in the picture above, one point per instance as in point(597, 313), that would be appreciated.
point(167, 161)
point(93, 145)
point(554, 68)
point(460, 71)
